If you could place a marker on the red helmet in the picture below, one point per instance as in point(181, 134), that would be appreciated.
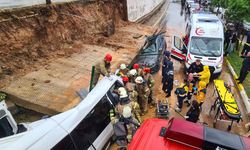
point(108, 57)
point(197, 8)
point(146, 70)
point(136, 66)
point(125, 78)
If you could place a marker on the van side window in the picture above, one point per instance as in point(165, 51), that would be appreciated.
point(65, 144)
point(5, 127)
point(92, 125)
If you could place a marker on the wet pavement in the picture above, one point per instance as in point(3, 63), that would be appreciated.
point(176, 22)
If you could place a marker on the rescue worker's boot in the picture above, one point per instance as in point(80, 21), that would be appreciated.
point(189, 102)
point(144, 113)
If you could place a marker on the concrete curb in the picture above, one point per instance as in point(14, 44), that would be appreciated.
point(162, 14)
point(150, 14)
point(240, 88)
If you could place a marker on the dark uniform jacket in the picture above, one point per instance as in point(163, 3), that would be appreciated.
point(193, 115)
point(194, 68)
point(246, 63)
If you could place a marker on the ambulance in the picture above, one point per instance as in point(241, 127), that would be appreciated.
point(205, 43)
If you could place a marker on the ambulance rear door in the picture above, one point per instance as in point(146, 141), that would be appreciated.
point(179, 49)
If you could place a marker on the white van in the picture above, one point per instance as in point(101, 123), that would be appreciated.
point(85, 127)
point(205, 43)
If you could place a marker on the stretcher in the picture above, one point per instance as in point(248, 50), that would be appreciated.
point(228, 109)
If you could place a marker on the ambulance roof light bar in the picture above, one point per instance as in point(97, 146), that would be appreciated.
point(208, 20)
point(202, 12)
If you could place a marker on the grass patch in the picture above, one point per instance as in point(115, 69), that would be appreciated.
point(236, 63)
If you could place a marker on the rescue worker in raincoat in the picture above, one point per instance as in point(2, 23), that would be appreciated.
point(123, 71)
point(102, 67)
point(132, 94)
point(181, 97)
point(138, 70)
point(191, 84)
point(125, 101)
point(168, 79)
point(142, 88)
point(151, 83)
point(132, 75)
point(201, 94)
point(165, 60)
point(204, 75)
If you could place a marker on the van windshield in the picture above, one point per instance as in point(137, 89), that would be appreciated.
point(205, 46)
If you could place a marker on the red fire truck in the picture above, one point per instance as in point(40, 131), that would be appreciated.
point(177, 134)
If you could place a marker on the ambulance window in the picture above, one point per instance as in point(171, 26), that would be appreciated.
point(65, 144)
point(92, 125)
point(178, 43)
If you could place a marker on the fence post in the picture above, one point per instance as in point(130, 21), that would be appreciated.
point(48, 2)
point(92, 76)
point(125, 10)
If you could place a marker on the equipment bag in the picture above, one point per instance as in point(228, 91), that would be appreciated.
point(180, 91)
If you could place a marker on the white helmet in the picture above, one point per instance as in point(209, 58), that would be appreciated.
point(123, 94)
point(139, 80)
point(122, 66)
point(127, 112)
point(121, 89)
point(133, 72)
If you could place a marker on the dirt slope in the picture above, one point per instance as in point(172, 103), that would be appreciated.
point(30, 38)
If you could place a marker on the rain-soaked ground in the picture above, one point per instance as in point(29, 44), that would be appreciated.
point(175, 22)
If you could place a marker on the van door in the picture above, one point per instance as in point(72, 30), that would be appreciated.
point(179, 49)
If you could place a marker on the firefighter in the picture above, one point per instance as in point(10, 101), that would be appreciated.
point(133, 95)
point(150, 82)
point(125, 101)
point(123, 71)
point(132, 75)
point(102, 67)
point(138, 70)
point(201, 94)
point(143, 91)
point(125, 80)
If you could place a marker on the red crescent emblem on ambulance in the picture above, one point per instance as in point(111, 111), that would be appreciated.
point(200, 31)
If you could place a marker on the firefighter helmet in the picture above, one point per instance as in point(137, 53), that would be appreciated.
point(139, 80)
point(146, 70)
point(125, 78)
point(122, 66)
point(133, 72)
point(120, 89)
point(123, 93)
point(136, 66)
point(108, 57)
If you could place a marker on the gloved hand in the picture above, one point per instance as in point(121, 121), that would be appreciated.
point(110, 78)
point(111, 74)
point(186, 117)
